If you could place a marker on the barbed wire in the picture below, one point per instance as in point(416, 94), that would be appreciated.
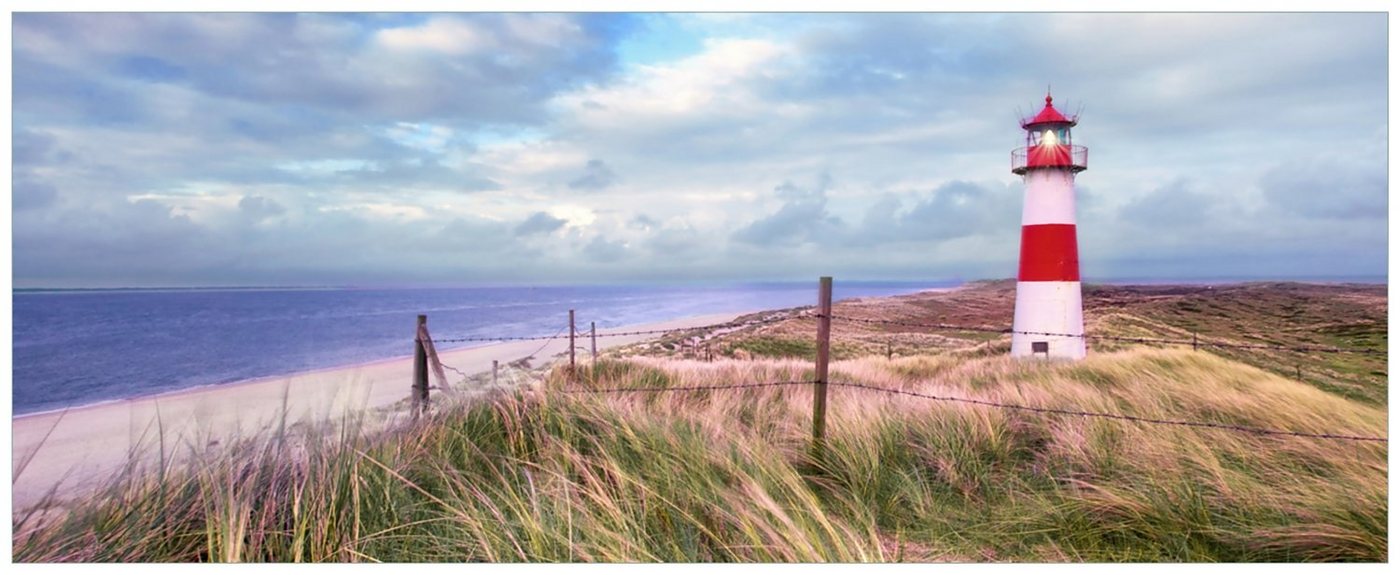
point(496, 338)
point(1133, 418)
point(1300, 348)
point(687, 388)
point(999, 405)
point(1144, 340)
point(764, 321)
point(450, 368)
point(579, 334)
point(546, 344)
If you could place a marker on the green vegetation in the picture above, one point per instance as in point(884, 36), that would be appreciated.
point(776, 347)
point(727, 476)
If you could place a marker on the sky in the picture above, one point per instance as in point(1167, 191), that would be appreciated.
point(242, 149)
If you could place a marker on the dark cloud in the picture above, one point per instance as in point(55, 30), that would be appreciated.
point(30, 194)
point(956, 209)
point(1171, 207)
point(415, 173)
point(803, 218)
point(414, 71)
point(1323, 189)
point(258, 208)
point(602, 250)
point(596, 176)
point(672, 241)
point(539, 223)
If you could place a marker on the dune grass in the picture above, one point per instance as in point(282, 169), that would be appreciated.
point(545, 475)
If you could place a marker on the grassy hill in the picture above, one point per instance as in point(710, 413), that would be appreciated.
point(556, 473)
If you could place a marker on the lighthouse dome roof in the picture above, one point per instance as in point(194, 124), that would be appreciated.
point(1049, 115)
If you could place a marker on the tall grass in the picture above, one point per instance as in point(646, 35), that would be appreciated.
point(543, 475)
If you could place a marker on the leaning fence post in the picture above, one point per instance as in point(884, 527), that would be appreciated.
point(420, 369)
point(823, 353)
point(571, 346)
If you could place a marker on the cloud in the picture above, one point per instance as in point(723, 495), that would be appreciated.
point(30, 194)
point(455, 37)
point(539, 223)
point(604, 251)
point(1173, 206)
point(956, 209)
point(304, 148)
point(1327, 189)
point(596, 176)
point(257, 208)
point(803, 218)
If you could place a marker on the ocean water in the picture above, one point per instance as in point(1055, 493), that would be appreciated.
point(78, 347)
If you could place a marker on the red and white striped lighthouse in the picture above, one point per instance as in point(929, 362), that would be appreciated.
point(1049, 318)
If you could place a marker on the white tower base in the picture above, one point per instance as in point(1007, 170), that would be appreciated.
point(1048, 307)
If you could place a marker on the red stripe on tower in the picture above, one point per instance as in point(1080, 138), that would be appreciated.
point(1049, 253)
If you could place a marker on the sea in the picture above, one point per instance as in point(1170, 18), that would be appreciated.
point(79, 347)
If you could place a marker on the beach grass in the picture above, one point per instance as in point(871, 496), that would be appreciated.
point(556, 473)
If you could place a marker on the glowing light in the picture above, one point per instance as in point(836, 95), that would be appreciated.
point(1049, 139)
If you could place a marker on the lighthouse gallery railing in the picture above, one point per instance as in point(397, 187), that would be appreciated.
point(1053, 156)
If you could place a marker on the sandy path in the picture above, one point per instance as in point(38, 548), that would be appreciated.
point(75, 449)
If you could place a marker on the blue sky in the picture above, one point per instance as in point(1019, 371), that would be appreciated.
point(295, 149)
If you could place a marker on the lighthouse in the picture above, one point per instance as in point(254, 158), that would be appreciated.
point(1049, 320)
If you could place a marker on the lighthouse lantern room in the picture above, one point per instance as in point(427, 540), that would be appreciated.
point(1049, 317)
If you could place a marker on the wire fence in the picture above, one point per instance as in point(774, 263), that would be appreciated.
point(993, 404)
point(1126, 339)
point(1195, 342)
point(601, 335)
point(824, 317)
point(687, 387)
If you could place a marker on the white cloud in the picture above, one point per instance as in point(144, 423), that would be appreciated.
point(712, 82)
point(443, 34)
point(422, 136)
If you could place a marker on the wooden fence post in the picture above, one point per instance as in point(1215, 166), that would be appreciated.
point(593, 334)
point(1193, 341)
point(420, 369)
point(495, 369)
point(823, 355)
point(571, 346)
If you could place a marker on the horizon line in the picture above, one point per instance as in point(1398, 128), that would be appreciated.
point(1364, 279)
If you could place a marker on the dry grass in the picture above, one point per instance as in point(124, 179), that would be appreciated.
point(727, 475)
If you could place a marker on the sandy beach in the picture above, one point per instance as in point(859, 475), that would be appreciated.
point(75, 449)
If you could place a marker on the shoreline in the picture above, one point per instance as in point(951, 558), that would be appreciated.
point(367, 363)
point(237, 382)
point(72, 449)
point(346, 367)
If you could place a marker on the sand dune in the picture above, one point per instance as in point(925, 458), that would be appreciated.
point(73, 450)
